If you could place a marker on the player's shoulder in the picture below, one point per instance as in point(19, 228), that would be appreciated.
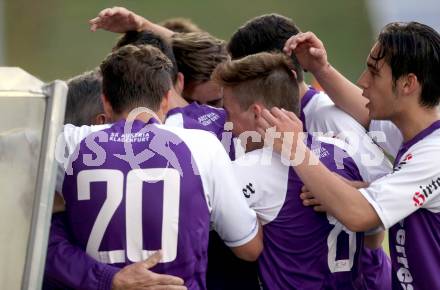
point(195, 138)
point(197, 110)
point(262, 162)
point(426, 151)
point(330, 112)
point(334, 154)
point(318, 100)
point(195, 116)
point(325, 116)
point(73, 135)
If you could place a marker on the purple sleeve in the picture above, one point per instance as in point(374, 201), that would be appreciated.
point(376, 268)
point(69, 266)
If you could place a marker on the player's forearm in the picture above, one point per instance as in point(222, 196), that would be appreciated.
point(344, 93)
point(69, 265)
point(374, 241)
point(341, 200)
point(252, 249)
point(156, 28)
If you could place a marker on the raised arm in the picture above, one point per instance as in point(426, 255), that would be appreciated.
point(121, 20)
point(312, 56)
point(341, 200)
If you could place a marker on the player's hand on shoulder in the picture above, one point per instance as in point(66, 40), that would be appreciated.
point(138, 276)
point(117, 19)
point(309, 50)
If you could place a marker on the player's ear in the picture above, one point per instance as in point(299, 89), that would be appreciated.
point(256, 110)
point(179, 85)
point(409, 84)
point(101, 119)
point(294, 73)
point(108, 110)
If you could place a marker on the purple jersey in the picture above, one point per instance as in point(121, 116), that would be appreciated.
point(203, 117)
point(130, 191)
point(319, 114)
point(302, 249)
point(120, 211)
point(376, 269)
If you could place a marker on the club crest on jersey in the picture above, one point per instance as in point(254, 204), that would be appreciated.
point(420, 197)
point(248, 190)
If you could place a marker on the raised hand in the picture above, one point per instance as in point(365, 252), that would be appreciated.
point(138, 276)
point(309, 51)
point(283, 127)
point(117, 19)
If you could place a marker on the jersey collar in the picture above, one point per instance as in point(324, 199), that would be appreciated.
point(305, 100)
point(420, 136)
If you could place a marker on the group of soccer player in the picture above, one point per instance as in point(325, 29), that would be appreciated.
point(189, 163)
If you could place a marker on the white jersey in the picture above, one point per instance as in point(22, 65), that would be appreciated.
point(302, 248)
point(407, 202)
point(412, 185)
point(393, 137)
point(320, 115)
point(209, 160)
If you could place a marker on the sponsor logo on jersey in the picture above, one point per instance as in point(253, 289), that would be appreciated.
point(321, 152)
point(421, 196)
point(208, 119)
point(403, 273)
point(248, 190)
point(129, 137)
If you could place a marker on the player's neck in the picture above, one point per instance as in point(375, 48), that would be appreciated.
point(176, 101)
point(303, 88)
point(413, 121)
point(139, 114)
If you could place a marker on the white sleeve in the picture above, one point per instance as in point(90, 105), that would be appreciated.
point(369, 158)
point(393, 137)
point(415, 184)
point(264, 180)
point(231, 217)
point(67, 141)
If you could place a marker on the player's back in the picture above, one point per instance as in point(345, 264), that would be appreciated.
point(203, 117)
point(303, 249)
point(135, 189)
point(197, 116)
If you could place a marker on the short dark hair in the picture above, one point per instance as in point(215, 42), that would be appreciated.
point(180, 25)
point(197, 55)
point(268, 33)
point(84, 98)
point(266, 77)
point(135, 76)
point(413, 48)
point(147, 37)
